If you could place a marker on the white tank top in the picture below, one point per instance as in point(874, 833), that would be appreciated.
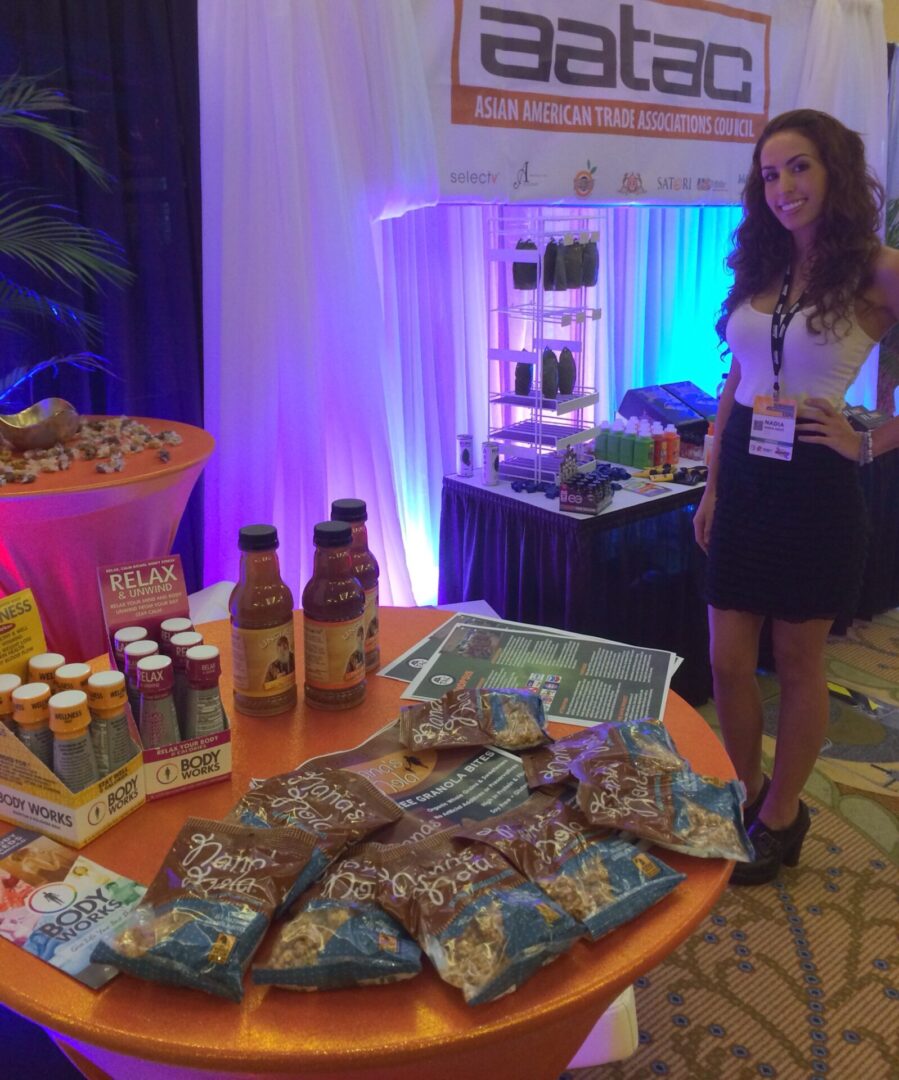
point(814, 365)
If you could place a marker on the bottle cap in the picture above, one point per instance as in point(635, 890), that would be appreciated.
point(155, 676)
point(106, 691)
point(169, 627)
point(8, 683)
point(124, 636)
point(72, 676)
point(29, 703)
point(179, 645)
point(69, 714)
point(204, 666)
point(332, 534)
point(348, 510)
point(257, 538)
point(42, 666)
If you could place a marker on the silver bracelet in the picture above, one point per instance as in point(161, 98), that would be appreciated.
point(866, 448)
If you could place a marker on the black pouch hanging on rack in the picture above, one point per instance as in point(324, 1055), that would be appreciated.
point(550, 384)
point(524, 274)
point(574, 264)
point(590, 263)
point(524, 378)
point(567, 371)
point(550, 257)
point(560, 279)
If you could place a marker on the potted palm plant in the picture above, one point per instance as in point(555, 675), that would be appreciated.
point(47, 256)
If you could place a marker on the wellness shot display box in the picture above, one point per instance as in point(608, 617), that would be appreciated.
point(30, 793)
point(146, 594)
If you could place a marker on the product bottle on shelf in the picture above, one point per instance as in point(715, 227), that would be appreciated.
point(708, 443)
point(643, 446)
point(106, 699)
point(614, 441)
point(333, 630)
point(158, 719)
point(8, 683)
point(180, 645)
point(42, 668)
point(135, 651)
point(628, 439)
point(261, 605)
point(123, 637)
point(167, 630)
point(601, 445)
point(72, 676)
point(31, 713)
point(73, 750)
point(672, 445)
point(365, 567)
point(658, 443)
point(203, 713)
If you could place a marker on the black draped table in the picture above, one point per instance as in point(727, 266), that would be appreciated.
point(633, 573)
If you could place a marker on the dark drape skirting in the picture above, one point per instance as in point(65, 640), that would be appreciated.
point(880, 584)
point(633, 575)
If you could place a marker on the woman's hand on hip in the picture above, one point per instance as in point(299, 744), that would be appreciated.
point(827, 426)
point(702, 519)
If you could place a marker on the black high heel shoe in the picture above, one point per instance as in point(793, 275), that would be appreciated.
point(774, 848)
point(751, 810)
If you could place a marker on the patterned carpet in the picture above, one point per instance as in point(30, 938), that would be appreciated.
point(800, 979)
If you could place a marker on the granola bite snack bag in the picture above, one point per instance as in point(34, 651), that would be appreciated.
point(483, 926)
point(628, 740)
point(684, 811)
point(339, 936)
point(206, 911)
point(597, 876)
point(335, 806)
point(510, 719)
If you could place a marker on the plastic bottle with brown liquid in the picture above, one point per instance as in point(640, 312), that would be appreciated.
point(333, 628)
point(365, 568)
point(262, 645)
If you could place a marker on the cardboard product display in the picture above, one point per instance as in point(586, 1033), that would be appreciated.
point(146, 594)
point(31, 794)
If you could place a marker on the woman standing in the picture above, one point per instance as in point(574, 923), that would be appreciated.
point(782, 518)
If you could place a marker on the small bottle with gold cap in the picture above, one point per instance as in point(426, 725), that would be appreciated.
point(8, 683)
point(158, 720)
point(124, 636)
point(72, 677)
point(73, 750)
point(134, 652)
point(106, 699)
point(31, 713)
point(42, 668)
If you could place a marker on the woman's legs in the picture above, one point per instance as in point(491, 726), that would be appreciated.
point(734, 656)
point(799, 658)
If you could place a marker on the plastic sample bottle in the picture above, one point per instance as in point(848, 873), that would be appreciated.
point(601, 445)
point(8, 683)
point(180, 645)
point(73, 749)
point(158, 720)
point(708, 444)
point(42, 668)
point(672, 445)
point(262, 644)
point(628, 439)
point(333, 627)
point(125, 635)
point(658, 443)
point(365, 568)
point(31, 713)
point(106, 699)
point(72, 676)
point(643, 446)
point(167, 630)
point(135, 651)
point(614, 441)
point(203, 712)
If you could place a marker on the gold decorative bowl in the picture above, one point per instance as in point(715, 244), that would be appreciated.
point(40, 426)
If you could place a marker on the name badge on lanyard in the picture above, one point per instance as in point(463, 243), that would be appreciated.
point(774, 418)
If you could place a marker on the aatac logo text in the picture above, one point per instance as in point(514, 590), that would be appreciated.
point(629, 57)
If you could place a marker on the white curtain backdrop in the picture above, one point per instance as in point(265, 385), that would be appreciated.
point(345, 344)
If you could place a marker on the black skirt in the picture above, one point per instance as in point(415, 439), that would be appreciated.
point(789, 538)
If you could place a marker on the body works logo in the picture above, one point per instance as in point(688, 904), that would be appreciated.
point(677, 70)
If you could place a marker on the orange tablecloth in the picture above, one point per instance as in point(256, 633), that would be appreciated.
point(55, 532)
point(415, 1030)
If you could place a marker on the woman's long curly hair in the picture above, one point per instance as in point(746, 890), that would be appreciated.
point(846, 238)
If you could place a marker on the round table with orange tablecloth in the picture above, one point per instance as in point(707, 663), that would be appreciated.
point(58, 530)
point(420, 1029)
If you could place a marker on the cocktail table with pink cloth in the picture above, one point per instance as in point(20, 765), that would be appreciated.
point(55, 532)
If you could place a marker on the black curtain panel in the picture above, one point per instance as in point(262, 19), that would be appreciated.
point(131, 65)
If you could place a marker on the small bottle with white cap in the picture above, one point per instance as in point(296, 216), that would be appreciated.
point(204, 714)
point(134, 652)
point(106, 698)
point(8, 683)
point(31, 713)
point(73, 750)
point(42, 668)
point(125, 635)
point(167, 630)
point(180, 644)
point(158, 720)
point(72, 676)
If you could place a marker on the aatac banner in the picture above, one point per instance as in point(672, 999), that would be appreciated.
point(570, 101)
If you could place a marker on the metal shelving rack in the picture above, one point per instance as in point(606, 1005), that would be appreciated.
point(534, 430)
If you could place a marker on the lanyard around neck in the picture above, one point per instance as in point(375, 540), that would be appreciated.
point(780, 319)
